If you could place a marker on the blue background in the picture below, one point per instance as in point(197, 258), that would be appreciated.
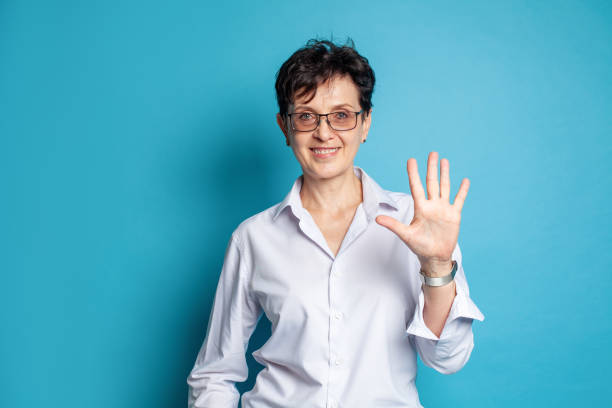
point(136, 135)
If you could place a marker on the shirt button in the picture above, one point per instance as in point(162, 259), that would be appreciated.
point(338, 362)
point(338, 315)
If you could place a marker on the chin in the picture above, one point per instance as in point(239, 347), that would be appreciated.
point(328, 170)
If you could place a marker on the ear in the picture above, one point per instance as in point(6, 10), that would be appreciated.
point(366, 124)
point(281, 124)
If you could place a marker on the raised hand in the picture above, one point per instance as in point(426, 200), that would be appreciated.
point(432, 234)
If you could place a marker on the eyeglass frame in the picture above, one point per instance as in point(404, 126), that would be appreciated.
point(326, 119)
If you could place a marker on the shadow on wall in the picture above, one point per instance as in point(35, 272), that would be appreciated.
point(229, 185)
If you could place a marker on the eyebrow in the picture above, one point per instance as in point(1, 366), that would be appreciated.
point(333, 107)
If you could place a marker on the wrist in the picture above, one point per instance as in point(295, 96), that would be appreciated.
point(439, 280)
point(436, 268)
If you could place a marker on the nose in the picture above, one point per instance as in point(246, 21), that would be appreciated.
point(324, 131)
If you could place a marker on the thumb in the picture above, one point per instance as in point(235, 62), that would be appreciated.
point(394, 225)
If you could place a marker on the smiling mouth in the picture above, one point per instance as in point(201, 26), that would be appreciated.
point(324, 150)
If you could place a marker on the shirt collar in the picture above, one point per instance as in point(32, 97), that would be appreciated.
point(373, 195)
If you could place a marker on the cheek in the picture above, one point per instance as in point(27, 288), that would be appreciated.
point(356, 141)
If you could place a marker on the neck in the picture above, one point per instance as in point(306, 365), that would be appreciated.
point(331, 194)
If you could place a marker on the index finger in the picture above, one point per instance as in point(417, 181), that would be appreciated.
point(416, 188)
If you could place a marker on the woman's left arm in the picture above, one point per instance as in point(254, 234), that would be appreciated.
point(432, 235)
point(449, 350)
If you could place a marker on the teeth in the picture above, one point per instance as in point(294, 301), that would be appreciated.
point(324, 151)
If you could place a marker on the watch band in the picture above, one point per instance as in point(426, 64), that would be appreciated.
point(439, 281)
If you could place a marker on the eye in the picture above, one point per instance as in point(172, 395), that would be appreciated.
point(305, 116)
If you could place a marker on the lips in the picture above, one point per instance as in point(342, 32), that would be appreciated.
point(328, 150)
point(324, 153)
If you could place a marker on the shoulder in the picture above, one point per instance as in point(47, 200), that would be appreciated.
point(396, 204)
point(404, 200)
point(401, 200)
point(254, 225)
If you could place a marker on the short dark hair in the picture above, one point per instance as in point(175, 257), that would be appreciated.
point(317, 62)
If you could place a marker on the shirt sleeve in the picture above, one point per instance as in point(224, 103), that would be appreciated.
point(448, 353)
point(221, 361)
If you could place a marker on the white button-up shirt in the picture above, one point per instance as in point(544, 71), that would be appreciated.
point(345, 329)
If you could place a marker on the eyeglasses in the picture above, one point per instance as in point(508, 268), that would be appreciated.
point(308, 121)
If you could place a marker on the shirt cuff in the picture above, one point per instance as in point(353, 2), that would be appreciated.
point(462, 306)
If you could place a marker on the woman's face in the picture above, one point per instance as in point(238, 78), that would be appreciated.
point(339, 93)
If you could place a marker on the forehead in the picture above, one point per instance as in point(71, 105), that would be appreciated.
point(337, 90)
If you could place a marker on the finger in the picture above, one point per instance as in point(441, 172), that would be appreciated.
point(444, 180)
point(461, 194)
point(416, 188)
point(394, 225)
point(433, 188)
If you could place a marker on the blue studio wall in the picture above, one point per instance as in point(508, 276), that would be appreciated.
point(136, 135)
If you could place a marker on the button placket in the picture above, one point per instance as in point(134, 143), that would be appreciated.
point(336, 358)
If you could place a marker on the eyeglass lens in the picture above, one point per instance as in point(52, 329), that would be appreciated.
point(343, 120)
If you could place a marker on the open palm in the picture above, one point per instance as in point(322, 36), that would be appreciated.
point(432, 234)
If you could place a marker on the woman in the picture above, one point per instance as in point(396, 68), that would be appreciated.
point(356, 280)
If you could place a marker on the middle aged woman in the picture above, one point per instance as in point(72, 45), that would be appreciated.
point(355, 279)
